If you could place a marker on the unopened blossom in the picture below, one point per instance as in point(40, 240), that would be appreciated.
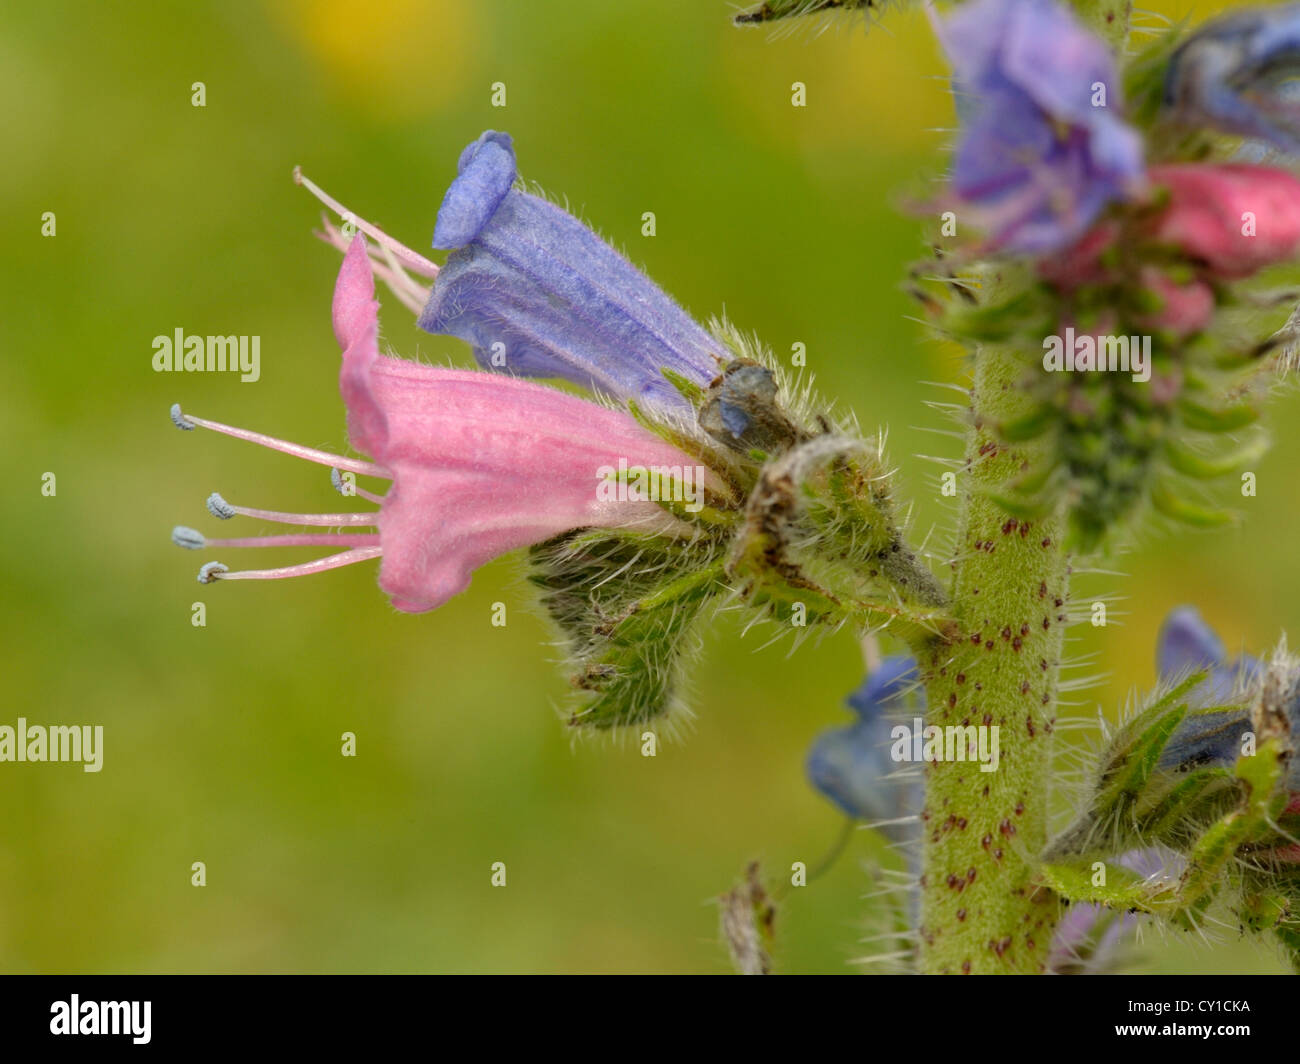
point(1179, 306)
point(537, 294)
point(1236, 74)
point(1043, 148)
point(479, 464)
point(1231, 218)
point(1186, 645)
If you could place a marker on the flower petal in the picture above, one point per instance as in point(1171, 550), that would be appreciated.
point(485, 172)
point(356, 327)
point(1187, 643)
point(538, 294)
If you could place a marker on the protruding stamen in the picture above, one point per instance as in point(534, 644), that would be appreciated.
point(213, 570)
point(415, 261)
point(311, 454)
point(304, 539)
point(218, 507)
point(188, 538)
point(404, 286)
point(385, 266)
point(336, 478)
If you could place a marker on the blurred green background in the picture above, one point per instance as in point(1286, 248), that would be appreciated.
point(223, 743)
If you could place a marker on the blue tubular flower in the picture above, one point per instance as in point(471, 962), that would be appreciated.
point(850, 765)
point(1236, 74)
point(1042, 149)
point(1188, 644)
point(538, 294)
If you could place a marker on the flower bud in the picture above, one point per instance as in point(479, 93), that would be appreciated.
point(1232, 219)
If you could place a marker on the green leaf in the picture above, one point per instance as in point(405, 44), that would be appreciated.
point(626, 604)
point(1122, 888)
point(1203, 467)
point(1207, 419)
point(1175, 507)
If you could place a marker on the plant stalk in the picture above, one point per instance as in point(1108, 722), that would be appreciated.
point(982, 831)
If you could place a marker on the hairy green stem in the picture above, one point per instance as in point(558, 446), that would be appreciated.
point(982, 906)
point(982, 831)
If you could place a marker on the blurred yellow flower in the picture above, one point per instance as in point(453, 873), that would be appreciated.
point(396, 60)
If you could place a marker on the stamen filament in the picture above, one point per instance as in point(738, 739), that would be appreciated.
point(218, 507)
point(304, 539)
point(416, 295)
point(409, 292)
point(415, 261)
point(311, 454)
point(217, 571)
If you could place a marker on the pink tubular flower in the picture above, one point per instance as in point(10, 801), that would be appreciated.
point(1235, 219)
point(480, 464)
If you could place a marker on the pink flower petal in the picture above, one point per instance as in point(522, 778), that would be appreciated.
point(482, 464)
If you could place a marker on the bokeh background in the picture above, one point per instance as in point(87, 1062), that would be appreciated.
point(223, 742)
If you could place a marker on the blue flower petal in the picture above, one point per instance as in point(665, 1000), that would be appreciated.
point(851, 766)
point(887, 683)
point(538, 294)
point(485, 173)
point(854, 767)
point(1187, 643)
point(1041, 155)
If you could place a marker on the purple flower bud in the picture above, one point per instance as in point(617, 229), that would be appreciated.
point(1043, 148)
point(1187, 644)
point(1236, 74)
point(538, 294)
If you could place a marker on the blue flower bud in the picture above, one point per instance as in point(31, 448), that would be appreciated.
point(742, 410)
point(1186, 644)
point(1235, 74)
